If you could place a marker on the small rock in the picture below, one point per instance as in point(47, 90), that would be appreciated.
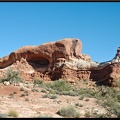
point(6, 83)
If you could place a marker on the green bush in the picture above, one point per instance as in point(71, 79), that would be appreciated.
point(117, 82)
point(110, 98)
point(1, 80)
point(70, 93)
point(85, 91)
point(64, 93)
point(87, 113)
point(44, 91)
point(69, 111)
point(81, 97)
point(73, 93)
point(60, 85)
point(38, 81)
point(13, 113)
point(78, 105)
point(51, 96)
point(34, 90)
point(12, 76)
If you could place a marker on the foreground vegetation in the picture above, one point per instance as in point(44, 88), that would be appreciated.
point(108, 97)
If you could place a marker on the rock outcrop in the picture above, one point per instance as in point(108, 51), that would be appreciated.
point(60, 60)
point(46, 54)
point(109, 71)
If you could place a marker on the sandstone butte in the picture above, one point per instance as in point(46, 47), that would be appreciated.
point(62, 59)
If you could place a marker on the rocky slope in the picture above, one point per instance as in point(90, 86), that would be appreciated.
point(60, 60)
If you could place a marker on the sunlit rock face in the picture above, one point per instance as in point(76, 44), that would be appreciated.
point(46, 56)
point(116, 59)
point(62, 59)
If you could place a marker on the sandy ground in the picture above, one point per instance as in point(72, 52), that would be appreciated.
point(35, 105)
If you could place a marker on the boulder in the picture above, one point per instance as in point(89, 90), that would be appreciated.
point(6, 83)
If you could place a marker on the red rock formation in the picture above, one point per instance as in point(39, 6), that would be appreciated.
point(60, 60)
point(46, 54)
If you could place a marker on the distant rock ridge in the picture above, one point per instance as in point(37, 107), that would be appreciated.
point(62, 59)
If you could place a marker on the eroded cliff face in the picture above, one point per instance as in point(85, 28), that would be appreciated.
point(60, 60)
point(109, 71)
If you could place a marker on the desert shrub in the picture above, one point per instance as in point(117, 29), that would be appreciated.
point(78, 105)
point(117, 82)
point(13, 113)
point(109, 98)
point(12, 76)
point(22, 89)
point(11, 95)
point(60, 85)
point(118, 97)
point(51, 96)
point(112, 107)
point(44, 91)
point(3, 115)
point(73, 93)
point(108, 92)
point(35, 90)
point(23, 95)
point(104, 90)
point(64, 93)
point(87, 113)
point(85, 91)
point(38, 81)
point(69, 111)
point(26, 93)
point(70, 93)
point(1, 80)
point(116, 111)
point(51, 91)
point(81, 97)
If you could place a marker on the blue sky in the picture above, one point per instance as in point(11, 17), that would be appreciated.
point(96, 24)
